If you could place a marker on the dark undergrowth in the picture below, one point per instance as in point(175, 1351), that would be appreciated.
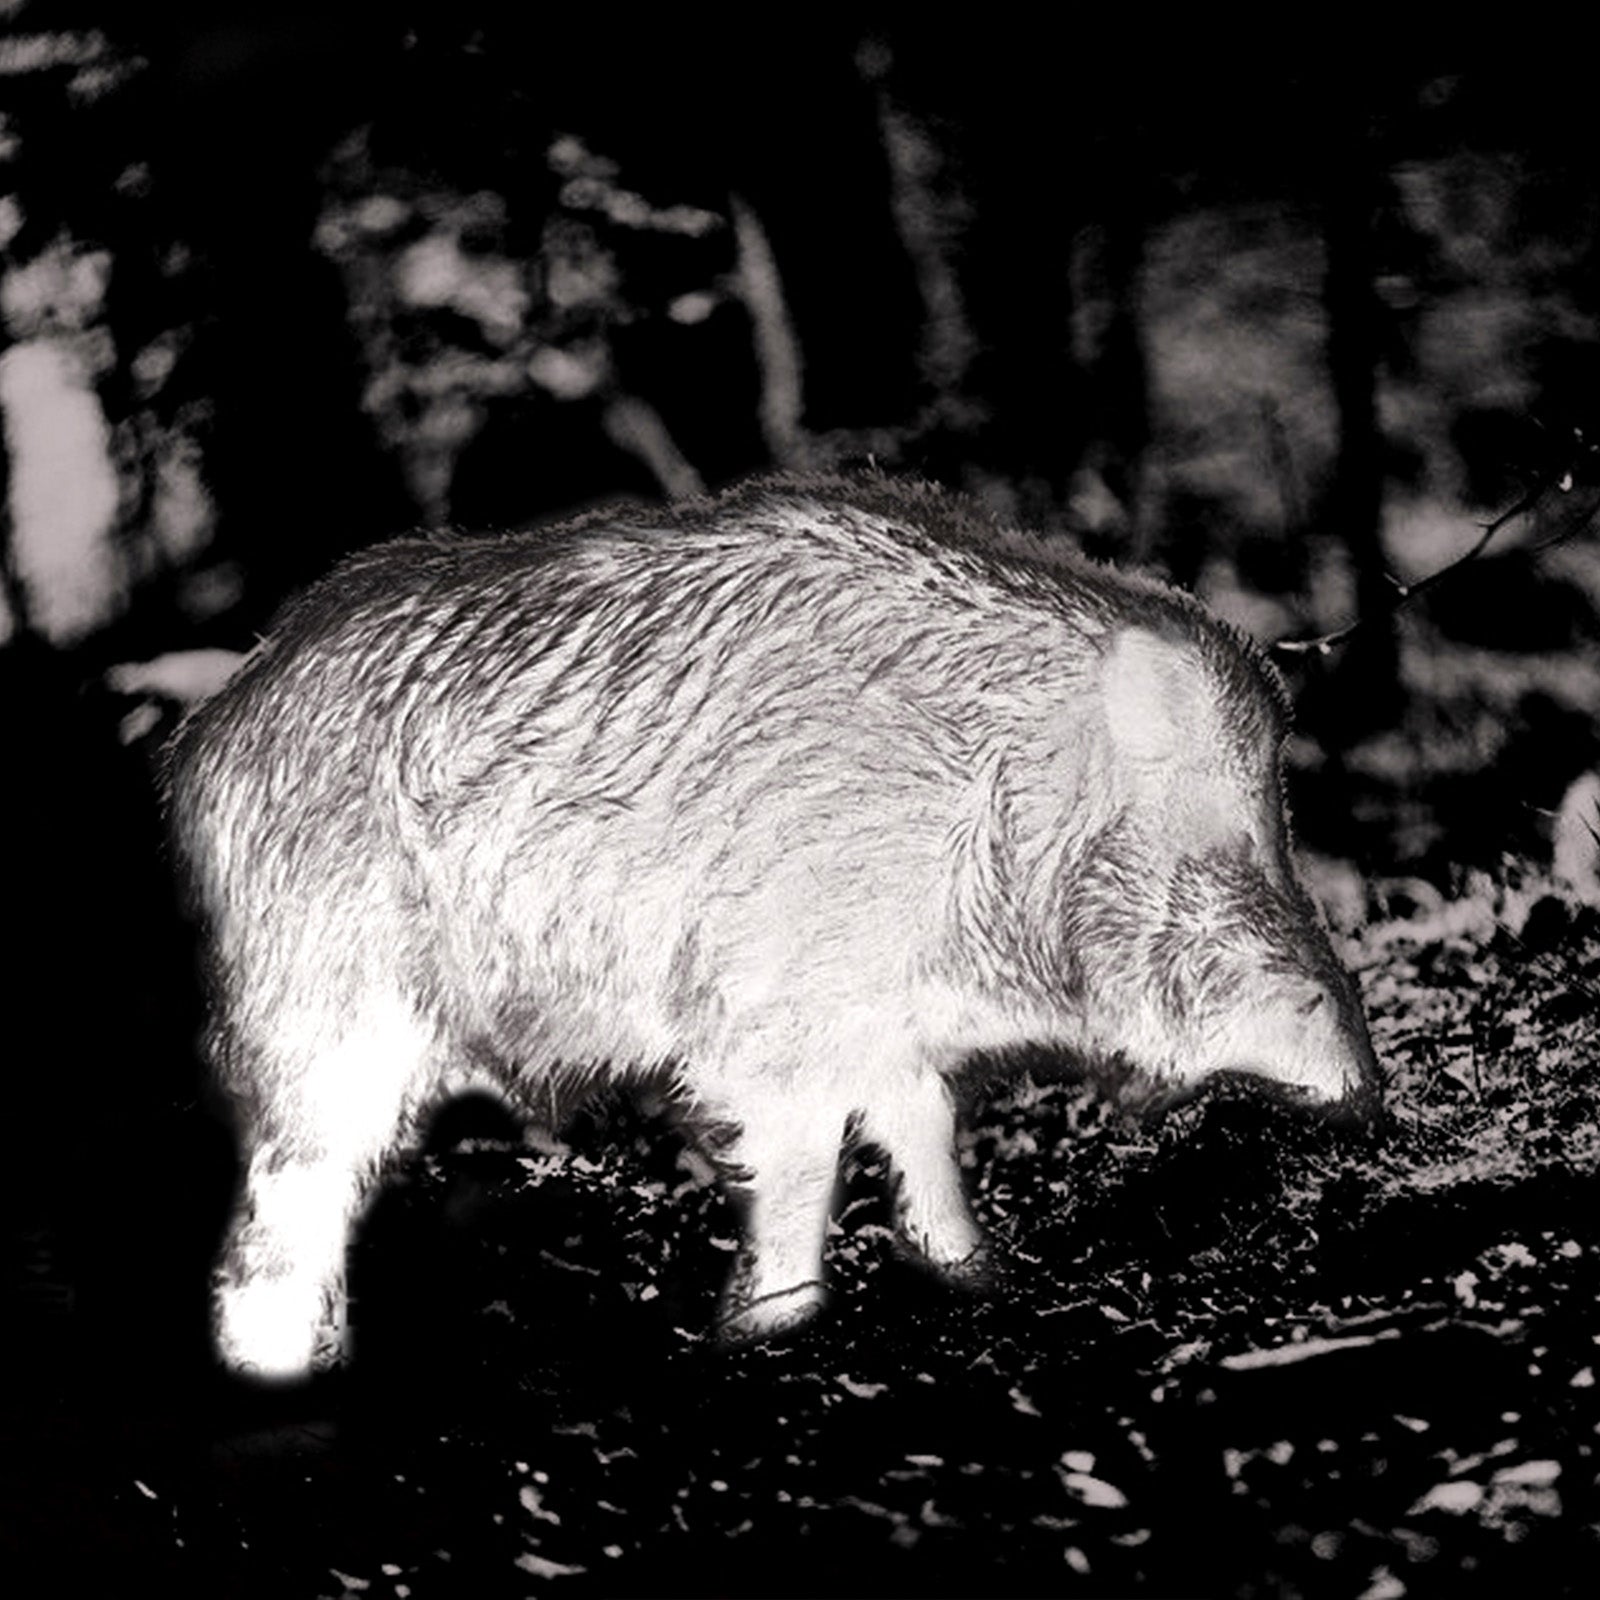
point(1231, 1352)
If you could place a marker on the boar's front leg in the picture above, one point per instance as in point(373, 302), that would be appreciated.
point(916, 1128)
point(785, 1161)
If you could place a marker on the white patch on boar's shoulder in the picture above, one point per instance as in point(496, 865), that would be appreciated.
point(1183, 728)
point(1157, 697)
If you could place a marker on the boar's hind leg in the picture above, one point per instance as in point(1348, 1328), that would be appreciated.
point(787, 1161)
point(916, 1127)
point(323, 1120)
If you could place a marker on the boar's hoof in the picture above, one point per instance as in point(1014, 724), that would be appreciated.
point(277, 1331)
point(974, 1270)
point(772, 1314)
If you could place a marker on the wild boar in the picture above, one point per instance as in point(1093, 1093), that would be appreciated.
point(804, 797)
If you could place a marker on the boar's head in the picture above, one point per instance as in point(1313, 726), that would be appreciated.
point(1197, 950)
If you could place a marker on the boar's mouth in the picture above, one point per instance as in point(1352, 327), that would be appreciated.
point(1360, 1106)
point(1141, 1093)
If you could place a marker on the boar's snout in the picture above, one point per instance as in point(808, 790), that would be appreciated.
point(1246, 982)
point(1361, 1097)
point(1297, 1027)
point(1318, 1049)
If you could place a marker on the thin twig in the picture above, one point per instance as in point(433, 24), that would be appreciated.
point(1284, 1355)
point(1405, 593)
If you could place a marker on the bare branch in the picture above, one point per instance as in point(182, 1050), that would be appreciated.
point(1405, 593)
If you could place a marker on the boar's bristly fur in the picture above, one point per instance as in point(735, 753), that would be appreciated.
point(804, 797)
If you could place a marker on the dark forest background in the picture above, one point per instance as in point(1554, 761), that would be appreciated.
point(1289, 320)
point(1284, 323)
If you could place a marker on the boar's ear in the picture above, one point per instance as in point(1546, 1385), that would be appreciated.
point(1154, 694)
